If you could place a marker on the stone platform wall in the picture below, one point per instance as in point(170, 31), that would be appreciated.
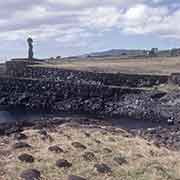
point(79, 98)
point(119, 79)
point(25, 68)
point(18, 67)
point(41, 93)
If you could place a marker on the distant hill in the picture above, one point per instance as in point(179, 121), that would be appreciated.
point(128, 53)
point(118, 52)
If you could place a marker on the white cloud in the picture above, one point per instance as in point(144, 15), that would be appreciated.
point(142, 19)
point(72, 3)
point(93, 3)
point(102, 18)
point(69, 21)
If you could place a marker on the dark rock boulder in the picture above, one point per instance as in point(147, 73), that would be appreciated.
point(26, 158)
point(62, 163)
point(30, 174)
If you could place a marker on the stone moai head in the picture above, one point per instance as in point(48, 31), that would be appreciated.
point(30, 51)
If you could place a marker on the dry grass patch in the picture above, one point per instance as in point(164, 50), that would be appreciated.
point(143, 160)
point(164, 65)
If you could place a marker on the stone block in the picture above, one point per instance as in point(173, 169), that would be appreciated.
point(18, 67)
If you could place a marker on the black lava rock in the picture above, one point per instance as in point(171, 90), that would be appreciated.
point(26, 158)
point(103, 168)
point(78, 145)
point(20, 145)
point(55, 149)
point(20, 136)
point(97, 141)
point(87, 134)
point(62, 163)
point(30, 174)
point(107, 150)
point(43, 132)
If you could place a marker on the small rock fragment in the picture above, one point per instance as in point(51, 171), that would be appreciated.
point(97, 141)
point(56, 149)
point(103, 168)
point(107, 150)
point(120, 160)
point(20, 136)
point(87, 134)
point(78, 145)
point(48, 137)
point(43, 132)
point(89, 156)
point(20, 145)
point(62, 163)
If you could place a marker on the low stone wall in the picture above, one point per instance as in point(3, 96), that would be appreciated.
point(24, 68)
point(44, 94)
point(79, 98)
point(68, 91)
point(119, 79)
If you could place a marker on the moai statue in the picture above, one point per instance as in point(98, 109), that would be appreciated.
point(153, 52)
point(30, 52)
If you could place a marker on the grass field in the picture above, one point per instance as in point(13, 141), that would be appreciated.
point(164, 65)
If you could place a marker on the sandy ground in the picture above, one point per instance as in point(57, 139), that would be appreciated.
point(141, 159)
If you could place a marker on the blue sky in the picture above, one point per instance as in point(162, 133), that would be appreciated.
point(73, 27)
